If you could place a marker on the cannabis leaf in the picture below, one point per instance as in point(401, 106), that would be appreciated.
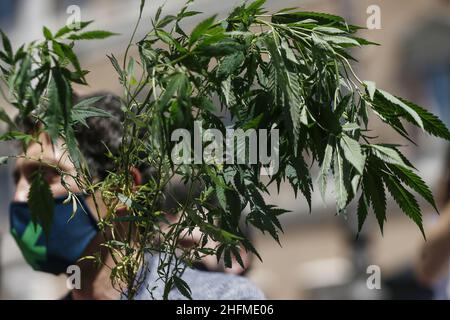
point(41, 203)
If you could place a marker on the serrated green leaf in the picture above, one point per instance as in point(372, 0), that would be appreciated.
point(6, 44)
point(81, 113)
point(300, 179)
point(339, 180)
point(227, 258)
point(371, 88)
point(5, 59)
point(355, 183)
point(67, 29)
point(431, 123)
point(365, 42)
point(321, 43)
point(221, 197)
point(329, 30)
point(230, 64)
point(340, 40)
point(190, 14)
point(387, 154)
point(176, 82)
point(64, 94)
point(92, 35)
point(220, 49)
point(348, 127)
point(72, 147)
point(41, 203)
point(304, 179)
point(391, 119)
point(352, 152)
point(238, 257)
point(286, 10)
point(392, 99)
point(322, 18)
point(169, 39)
point(88, 102)
point(72, 57)
point(53, 116)
point(374, 191)
point(362, 211)
point(21, 81)
point(201, 29)
point(228, 93)
point(47, 33)
point(405, 200)
point(297, 108)
point(325, 168)
point(16, 135)
point(183, 287)
point(166, 21)
point(412, 180)
point(288, 51)
point(206, 104)
point(116, 66)
point(167, 288)
point(256, 5)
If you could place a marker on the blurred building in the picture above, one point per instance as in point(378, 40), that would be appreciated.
point(319, 257)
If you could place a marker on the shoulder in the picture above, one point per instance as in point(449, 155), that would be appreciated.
point(220, 286)
point(204, 286)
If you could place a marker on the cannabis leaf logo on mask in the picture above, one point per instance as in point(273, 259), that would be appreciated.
point(32, 252)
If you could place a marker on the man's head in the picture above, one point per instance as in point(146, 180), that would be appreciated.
point(101, 135)
point(71, 236)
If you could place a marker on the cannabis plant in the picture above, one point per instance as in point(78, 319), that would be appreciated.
point(290, 71)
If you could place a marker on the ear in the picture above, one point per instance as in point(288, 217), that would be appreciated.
point(137, 176)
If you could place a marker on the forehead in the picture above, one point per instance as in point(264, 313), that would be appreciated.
point(44, 149)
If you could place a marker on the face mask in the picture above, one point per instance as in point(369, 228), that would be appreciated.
point(67, 240)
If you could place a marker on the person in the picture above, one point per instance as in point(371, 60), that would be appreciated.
point(433, 267)
point(74, 236)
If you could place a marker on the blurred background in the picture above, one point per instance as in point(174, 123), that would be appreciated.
point(320, 257)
